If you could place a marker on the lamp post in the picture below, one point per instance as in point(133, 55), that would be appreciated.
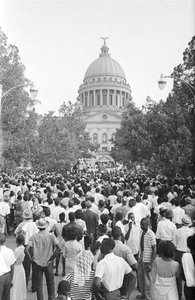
point(162, 83)
point(33, 94)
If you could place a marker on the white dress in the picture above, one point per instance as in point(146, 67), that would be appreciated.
point(18, 290)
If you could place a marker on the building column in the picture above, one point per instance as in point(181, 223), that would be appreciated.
point(114, 100)
point(95, 102)
point(108, 103)
point(101, 100)
point(88, 99)
point(120, 99)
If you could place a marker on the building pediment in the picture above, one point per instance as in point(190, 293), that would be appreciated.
point(104, 116)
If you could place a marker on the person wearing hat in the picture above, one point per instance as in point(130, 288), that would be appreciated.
point(180, 239)
point(42, 248)
point(166, 229)
point(27, 228)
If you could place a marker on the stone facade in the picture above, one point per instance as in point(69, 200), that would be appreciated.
point(103, 96)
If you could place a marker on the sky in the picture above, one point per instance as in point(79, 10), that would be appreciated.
point(59, 39)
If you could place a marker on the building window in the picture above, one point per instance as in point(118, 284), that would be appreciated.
point(85, 101)
point(123, 102)
point(92, 100)
point(104, 149)
point(104, 98)
point(110, 101)
point(98, 99)
point(95, 138)
point(113, 137)
point(116, 100)
point(104, 138)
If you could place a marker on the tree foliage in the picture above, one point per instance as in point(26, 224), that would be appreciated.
point(160, 135)
point(18, 116)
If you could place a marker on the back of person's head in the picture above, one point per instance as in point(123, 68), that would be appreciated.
point(57, 201)
point(132, 202)
point(20, 239)
point(62, 216)
point(191, 242)
point(101, 203)
point(166, 249)
point(104, 218)
point(66, 194)
point(71, 216)
point(176, 202)
point(101, 229)
point(138, 198)
point(159, 200)
point(83, 204)
point(116, 232)
point(63, 289)
point(125, 193)
point(72, 233)
point(97, 190)
point(88, 204)
point(60, 195)
point(2, 238)
point(78, 214)
point(70, 203)
point(107, 246)
point(47, 211)
point(118, 216)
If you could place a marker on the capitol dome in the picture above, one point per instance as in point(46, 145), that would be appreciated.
point(104, 66)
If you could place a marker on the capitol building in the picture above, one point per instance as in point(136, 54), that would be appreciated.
point(103, 96)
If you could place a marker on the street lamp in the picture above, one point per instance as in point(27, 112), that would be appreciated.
point(33, 94)
point(162, 83)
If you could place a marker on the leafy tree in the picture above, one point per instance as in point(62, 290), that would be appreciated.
point(161, 135)
point(18, 116)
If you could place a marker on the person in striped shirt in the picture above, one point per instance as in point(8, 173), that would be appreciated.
point(147, 254)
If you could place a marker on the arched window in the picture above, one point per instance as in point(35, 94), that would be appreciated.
point(95, 138)
point(113, 137)
point(104, 138)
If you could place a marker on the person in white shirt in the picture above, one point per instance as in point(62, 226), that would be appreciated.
point(112, 199)
point(7, 260)
point(57, 210)
point(111, 272)
point(180, 238)
point(118, 219)
point(98, 196)
point(132, 235)
point(166, 229)
point(178, 214)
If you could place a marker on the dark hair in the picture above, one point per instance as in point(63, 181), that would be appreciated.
point(109, 243)
point(101, 203)
point(104, 218)
point(102, 228)
point(119, 216)
point(62, 216)
point(66, 194)
point(191, 242)
point(20, 239)
point(46, 211)
point(63, 287)
point(71, 216)
point(78, 214)
point(72, 233)
point(116, 232)
point(166, 249)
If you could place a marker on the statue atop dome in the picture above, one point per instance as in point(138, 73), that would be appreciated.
point(104, 49)
point(104, 38)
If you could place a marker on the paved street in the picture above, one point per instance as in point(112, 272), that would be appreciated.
point(32, 296)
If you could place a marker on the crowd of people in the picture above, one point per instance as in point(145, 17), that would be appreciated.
point(108, 232)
